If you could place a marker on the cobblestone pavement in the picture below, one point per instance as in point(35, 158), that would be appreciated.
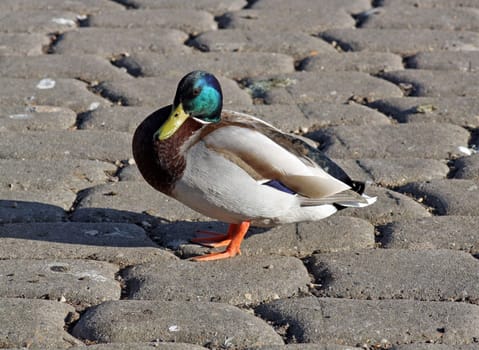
point(91, 256)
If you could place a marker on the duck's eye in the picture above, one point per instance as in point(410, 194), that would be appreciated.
point(196, 91)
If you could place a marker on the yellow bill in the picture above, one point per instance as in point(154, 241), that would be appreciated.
point(175, 120)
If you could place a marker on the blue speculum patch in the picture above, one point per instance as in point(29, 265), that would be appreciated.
point(279, 186)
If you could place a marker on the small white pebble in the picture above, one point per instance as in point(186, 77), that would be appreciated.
point(465, 150)
point(93, 106)
point(46, 84)
point(64, 21)
point(174, 328)
point(131, 161)
point(20, 116)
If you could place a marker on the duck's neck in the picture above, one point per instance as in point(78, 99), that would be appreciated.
point(169, 152)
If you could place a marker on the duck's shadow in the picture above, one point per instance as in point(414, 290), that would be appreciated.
point(99, 226)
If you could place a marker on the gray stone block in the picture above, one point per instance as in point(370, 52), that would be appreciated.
point(23, 44)
point(436, 232)
point(79, 282)
point(410, 17)
point(390, 206)
point(399, 171)
point(31, 207)
point(361, 61)
point(142, 346)
point(435, 347)
point(83, 67)
point(354, 6)
point(242, 281)
point(446, 4)
point(139, 320)
point(436, 141)
point(227, 64)
point(35, 324)
point(436, 83)
point(160, 91)
point(312, 87)
point(58, 92)
point(189, 21)
point(118, 243)
point(51, 21)
point(466, 61)
point(402, 41)
point(297, 44)
point(116, 118)
point(38, 118)
point(129, 201)
point(323, 114)
point(447, 197)
point(467, 167)
point(445, 109)
point(71, 174)
point(82, 7)
point(273, 19)
point(216, 7)
point(374, 322)
point(305, 346)
point(397, 274)
point(109, 42)
point(48, 145)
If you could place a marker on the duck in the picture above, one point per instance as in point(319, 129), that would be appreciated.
point(237, 168)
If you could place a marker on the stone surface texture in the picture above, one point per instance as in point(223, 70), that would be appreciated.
point(92, 257)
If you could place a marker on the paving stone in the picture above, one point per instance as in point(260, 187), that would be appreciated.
point(436, 83)
point(139, 320)
point(397, 172)
point(355, 6)
point(38, 118)
point(22, 206)
point(117, 118)
point(288, 118)
point(49, 145)
point(228, 64)
point(390, 206)
point(361, 61)
point(435, 347)
point(38, 21)
point(131, 202)
point(84, 67)
point(323, 114)
point(336, 233)
point(402, 41)
point(273, 19)
point(78, 282)
point(35, 324)
point(467, 167)
point(409, 17)
point(305, 346)
point(130, 172)
point(436, 232)
point(296, 44)
point(242, 281)
point(447, 197)
point(430, 3)
point(143, 346)
point(114, 41)
point(23, 43)
point(374, 322)
point(118, 243)
point(30, 207)
point(312, 87)
point(160, 91)
point(61, 92)
point(437, 141)
point(189, 21)
point(455, 110)
point(216, 7)
point(466, 61)
point(80, 6)
point(73, 175)
point(397, 274)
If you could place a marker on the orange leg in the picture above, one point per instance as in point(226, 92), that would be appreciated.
point(235, 235)
point(215, 239)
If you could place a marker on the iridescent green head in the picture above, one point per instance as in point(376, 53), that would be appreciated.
point(198, 96)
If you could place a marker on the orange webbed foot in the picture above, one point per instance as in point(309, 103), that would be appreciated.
point(232, 239)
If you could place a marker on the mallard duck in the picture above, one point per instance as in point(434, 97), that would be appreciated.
point(236, 168)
